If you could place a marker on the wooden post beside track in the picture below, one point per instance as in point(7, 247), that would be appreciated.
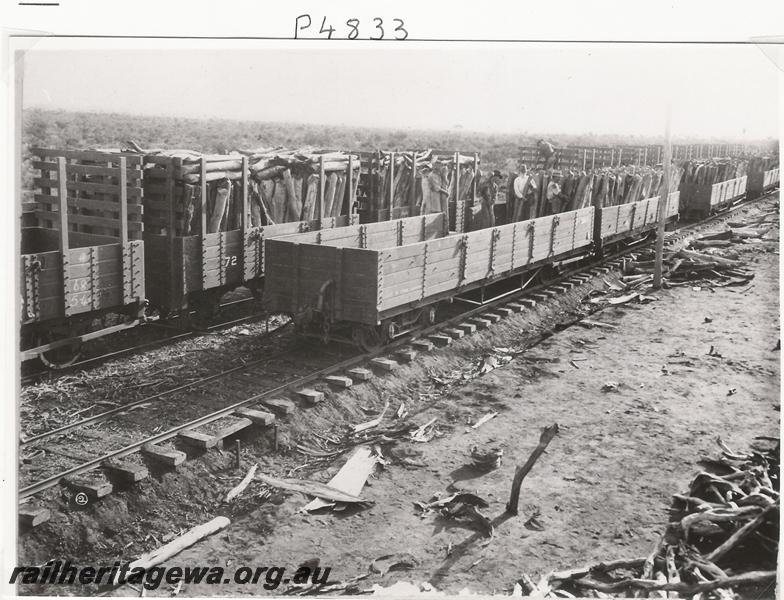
point(663, 201)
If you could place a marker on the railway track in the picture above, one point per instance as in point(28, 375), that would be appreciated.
point(174, 334)
point(270, 377)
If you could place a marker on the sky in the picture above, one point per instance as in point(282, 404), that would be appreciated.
point(715, 90)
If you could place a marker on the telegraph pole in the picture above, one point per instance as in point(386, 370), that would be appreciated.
point(663, 201)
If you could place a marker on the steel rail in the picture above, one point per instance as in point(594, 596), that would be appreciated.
point(126, 407)
point(95, 360)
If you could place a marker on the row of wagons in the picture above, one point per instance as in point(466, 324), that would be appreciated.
point(101, 248)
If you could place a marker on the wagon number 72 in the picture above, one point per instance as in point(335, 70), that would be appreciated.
point(231, 261)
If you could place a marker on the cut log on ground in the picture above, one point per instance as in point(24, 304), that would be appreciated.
point(179, 544)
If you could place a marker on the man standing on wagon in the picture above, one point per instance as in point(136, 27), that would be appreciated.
point(523, 188)
point(547, 153)
point(483, 213)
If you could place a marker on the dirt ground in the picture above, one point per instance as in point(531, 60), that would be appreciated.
point(600, 492)
point(603, 488)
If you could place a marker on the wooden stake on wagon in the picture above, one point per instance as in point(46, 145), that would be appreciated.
point(62, 193)
point(663, 202)
point(350, 185)
point(548, 433)
point(391, 179)
point(203, 192)
point(245, 182)
point(322, 183)
point(412, 190)
point(475, 180)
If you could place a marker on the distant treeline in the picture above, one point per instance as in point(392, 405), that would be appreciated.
point(81, 130)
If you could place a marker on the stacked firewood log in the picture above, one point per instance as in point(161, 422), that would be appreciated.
point(285, 185)
point(223, 177)
point(723, 535)
point(711, 259)
point(399, 176)
point(631, 184)
point(545, 193)
point(708, 172)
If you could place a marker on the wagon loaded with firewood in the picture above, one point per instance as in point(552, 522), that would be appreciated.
point(82, 253)
point(763, 175)
point(624, 217)
point(709, 186)
point(207, 216)
point(372, 283)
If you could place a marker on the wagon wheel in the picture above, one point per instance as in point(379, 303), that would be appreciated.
point(201, 318)
point(63, 356)
point(368, 338)
point(428, 316)
point(205, 308)
point(546, 275)
point(256, 289)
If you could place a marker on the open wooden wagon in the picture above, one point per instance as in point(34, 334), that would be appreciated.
point(207, 218)
point(372, 283)
point(82, 256)
point(625, 222)
point(763, 176)
point(710, 186)
point(702, 200)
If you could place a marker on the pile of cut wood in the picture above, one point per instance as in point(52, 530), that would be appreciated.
point(223, 184)
point(763, 227)
point(711, 259)
point(708, 172)
point(623, 185)
point(285, 184)
point(545, 193)
point(687, 267)
point(723, 535)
